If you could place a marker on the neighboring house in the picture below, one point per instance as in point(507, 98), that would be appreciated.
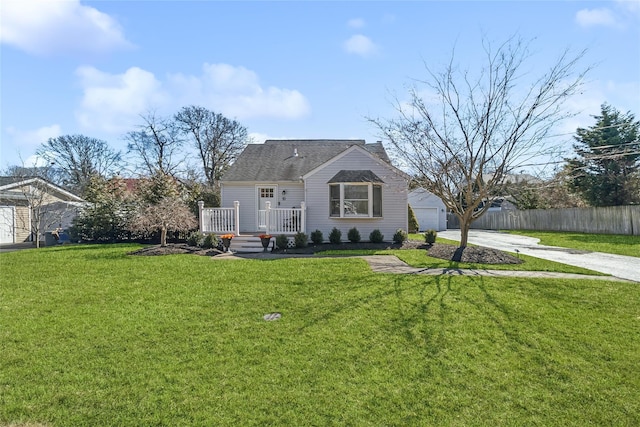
point(429, 209)
point(503, 201)
point(500, 204)
point(26, 200)
point(286, 186)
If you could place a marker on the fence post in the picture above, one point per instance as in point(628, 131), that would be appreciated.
point(236, 206)
point(267, 214)
point(200, 219)
point(303, 209)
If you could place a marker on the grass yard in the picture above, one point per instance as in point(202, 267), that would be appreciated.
point(90, 336)
point(608, 243)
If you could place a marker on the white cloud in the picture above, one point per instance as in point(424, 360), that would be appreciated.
point(44, 27)
point(356, 23)
point(258, 138)
point(630, 6)
point(596, 17)
point(24, 142)
point(113, 102)
point(35, 137)
point(237, 92)
point(360, 45)
point(624, 14)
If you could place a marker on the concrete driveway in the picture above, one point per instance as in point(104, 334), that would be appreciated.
point(11, 247)
point(625, 267)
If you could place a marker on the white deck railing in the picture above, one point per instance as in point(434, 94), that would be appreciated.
point(270, 221)
point(282, 220)
point(219, 220)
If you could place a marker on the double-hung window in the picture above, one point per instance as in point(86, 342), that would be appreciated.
point(360, 197)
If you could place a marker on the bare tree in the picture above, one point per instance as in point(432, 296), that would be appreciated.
point(172, 214)
point(157, 145)
point(480, 127)
point(162, 207)
point(217, 139)
point(77, 158)
point(553, 193)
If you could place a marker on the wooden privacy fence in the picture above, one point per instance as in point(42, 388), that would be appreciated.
point(609, 220)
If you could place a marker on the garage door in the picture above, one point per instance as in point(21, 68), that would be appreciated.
point(6, 224)
point(427, 218)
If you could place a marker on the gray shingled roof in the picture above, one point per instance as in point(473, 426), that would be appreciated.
point(276, 160)
point(355, 176)
point(6, 180)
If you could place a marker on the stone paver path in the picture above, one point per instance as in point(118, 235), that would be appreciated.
point(392, 264)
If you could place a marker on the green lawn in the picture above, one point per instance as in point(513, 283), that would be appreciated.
point(90, 336)
point(608, 243)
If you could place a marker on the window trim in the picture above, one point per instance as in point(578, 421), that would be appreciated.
point(370, 200)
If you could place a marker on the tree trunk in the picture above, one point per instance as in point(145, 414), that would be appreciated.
point(163, 236)
point(465, 224)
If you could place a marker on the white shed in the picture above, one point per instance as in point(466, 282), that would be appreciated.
point(430, 210)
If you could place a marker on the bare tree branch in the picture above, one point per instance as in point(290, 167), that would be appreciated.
point(462, 146)
point(157, 145)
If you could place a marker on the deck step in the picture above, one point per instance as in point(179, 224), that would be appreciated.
point(248, 244)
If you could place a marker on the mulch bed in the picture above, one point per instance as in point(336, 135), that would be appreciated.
point(474, 254)
point(174, 249)
point(471, 254)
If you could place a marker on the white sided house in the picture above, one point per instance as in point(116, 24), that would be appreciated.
point(290, 186)
point(429, 209)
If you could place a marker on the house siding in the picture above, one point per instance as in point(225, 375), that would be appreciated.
point(23, 228)
point(246, 194)
point(394, 198)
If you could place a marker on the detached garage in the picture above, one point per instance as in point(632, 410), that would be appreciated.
point(23, 201)
point(429, 210)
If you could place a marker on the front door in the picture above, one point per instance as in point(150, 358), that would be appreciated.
point(265, 194)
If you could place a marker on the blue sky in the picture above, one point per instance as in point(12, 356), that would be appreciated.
point(282, 69)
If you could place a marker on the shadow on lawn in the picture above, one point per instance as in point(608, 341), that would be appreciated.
point(433, 335)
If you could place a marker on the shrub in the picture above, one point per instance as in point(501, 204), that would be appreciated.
point(195, 238)
point(430, 236)
point(301, 239)
point(413, 221)
point(400, 236)
point(316, 237)
point(210, 241)
point(335, 236)
point(353, 235)
point(282, 241)
point(376, 236)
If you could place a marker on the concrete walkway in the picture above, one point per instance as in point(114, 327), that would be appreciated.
point(625, 267)
point(392, 264)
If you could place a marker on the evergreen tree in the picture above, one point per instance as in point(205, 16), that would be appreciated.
point(606, 169)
